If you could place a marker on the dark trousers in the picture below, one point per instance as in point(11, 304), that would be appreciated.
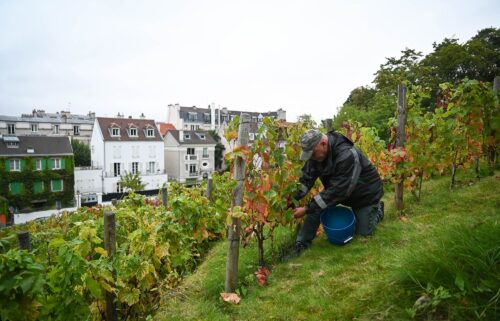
point(366, 219)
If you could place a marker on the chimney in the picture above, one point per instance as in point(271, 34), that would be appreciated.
point(142, 116)
point(181, 135)
point(212, 116)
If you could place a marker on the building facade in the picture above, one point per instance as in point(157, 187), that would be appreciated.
point(189, 155)
point(121, 145)
point(40, 123)
point(36, 172)
point(212, 118)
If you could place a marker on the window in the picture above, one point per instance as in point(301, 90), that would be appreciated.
point(55, 129)
point(151, 167)
point(11, 129)
point(251, 136)
point(15, 165)
point(56, 163)
point(15, 188)
point(116, 169)
point(190, 151)
point(135, 167)
point(202, 136)
point(38, 187)
point(38, 164)
point(56, 185)
point(133, 132)
point(150, 132)
point(195, 127)
point(76, 130)
point(205, 152)
point(119, 188)
point(187, 136)
point(193, 117)
point(192, 168)
point(34, 128)
point(115, 132)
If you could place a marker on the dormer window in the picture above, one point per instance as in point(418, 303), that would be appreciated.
point(150, 132)
point(115, 132)
point(132, 132)
point(187, 136)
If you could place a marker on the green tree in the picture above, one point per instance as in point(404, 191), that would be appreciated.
point(219, 150)
point(307, 120)
point(132, 182)
point(81, 153)
point(397, 70)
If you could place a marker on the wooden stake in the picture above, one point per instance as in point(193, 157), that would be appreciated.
point(400, 142)
point(110, 245)
point(234, 229)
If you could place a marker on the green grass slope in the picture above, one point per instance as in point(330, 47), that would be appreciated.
point(442, 263)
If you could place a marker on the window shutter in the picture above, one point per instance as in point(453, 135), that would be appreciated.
point(63, 163)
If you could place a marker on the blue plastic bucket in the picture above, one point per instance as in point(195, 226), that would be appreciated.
point(339, 224)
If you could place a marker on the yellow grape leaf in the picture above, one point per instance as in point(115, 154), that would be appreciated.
point(101, 251)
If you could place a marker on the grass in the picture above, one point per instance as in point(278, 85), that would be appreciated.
point(446, 253)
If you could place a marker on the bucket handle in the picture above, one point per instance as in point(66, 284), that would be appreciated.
point(348, 239)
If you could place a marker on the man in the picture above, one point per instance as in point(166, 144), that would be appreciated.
point(348, 178)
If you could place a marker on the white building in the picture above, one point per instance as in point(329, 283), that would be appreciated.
point(121, 145)
point(189, 155)
point(40, 123)
point(211, 118)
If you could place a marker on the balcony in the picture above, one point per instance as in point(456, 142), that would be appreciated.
point(194, 174)
point(145, 173)
point(190, 157)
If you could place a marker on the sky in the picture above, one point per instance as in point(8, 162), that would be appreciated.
point(138, 57)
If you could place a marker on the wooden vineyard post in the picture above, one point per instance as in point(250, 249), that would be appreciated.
point(164, 197)
point(110, 245)
point(23, 238)
point(400, 142)
point(233, 235)
point(210, 185)
point(329, 124)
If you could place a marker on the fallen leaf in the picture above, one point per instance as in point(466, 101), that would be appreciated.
point(261, 275)
point(232, 298)
point(403, 218)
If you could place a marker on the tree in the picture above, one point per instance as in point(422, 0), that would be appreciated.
point(307, 120)
point(81, 153)
point(132, 182)
point(219, 149)
point(397, 70)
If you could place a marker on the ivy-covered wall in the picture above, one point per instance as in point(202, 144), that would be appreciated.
point(29, 177)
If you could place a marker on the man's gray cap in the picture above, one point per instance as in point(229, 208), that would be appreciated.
point(308, 141)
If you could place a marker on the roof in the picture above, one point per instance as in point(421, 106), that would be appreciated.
point(124, 124)
point(57, 118)
point(225, 111)
point(39, 145)
point(195, 137)
point(164, 127)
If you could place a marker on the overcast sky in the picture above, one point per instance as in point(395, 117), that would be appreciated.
point(139, 56)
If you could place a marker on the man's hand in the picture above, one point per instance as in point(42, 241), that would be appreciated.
point(299, 212)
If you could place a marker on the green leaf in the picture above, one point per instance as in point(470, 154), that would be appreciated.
point(94, 288)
